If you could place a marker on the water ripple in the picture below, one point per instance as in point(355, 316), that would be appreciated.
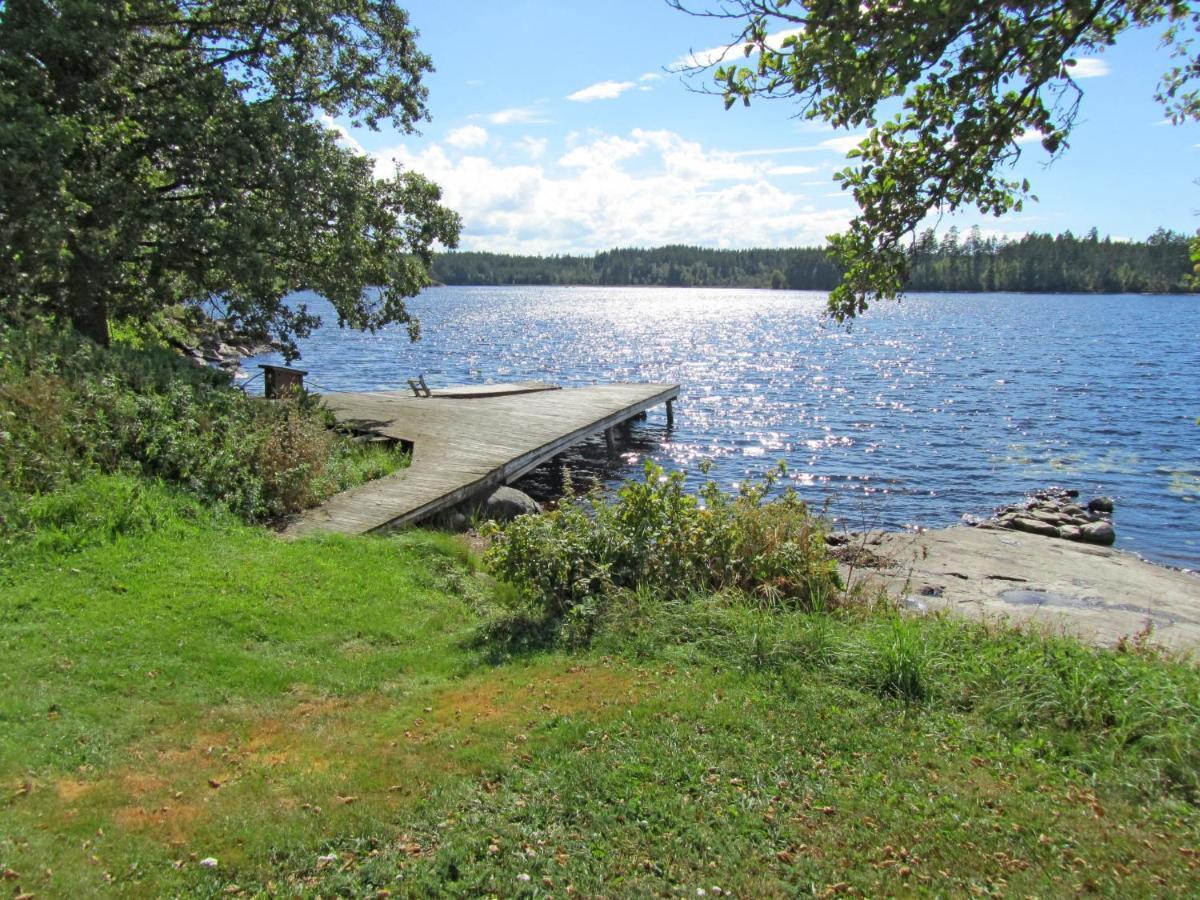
point(923, 412)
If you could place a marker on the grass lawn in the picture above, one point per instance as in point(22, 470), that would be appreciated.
point(327, 717)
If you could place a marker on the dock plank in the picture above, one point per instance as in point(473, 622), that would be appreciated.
point(464, 445)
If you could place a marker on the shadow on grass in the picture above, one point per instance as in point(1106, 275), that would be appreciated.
point(514, 634)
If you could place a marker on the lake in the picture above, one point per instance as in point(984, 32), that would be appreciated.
point(926, 411)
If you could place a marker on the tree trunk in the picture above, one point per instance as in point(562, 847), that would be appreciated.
point(84, 297)
point(90, 318)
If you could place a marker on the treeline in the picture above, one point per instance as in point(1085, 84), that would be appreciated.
point(1047, 263)
point(672, 266)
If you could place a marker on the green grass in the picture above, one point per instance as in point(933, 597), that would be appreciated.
point(337, 717)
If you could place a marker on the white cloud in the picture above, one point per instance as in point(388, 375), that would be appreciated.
point(344, 137)
point(645, 187)
point(792, 170)
point(467, 136)
point(604, 153)
point(603, 90)
point(691, 161)
point(651, 76)
point(702, 59)
point(517, 115)
point(1088, 67)
point(678, 157)
point(1029, 137)
point(843, 144)
point(773, 151)
point(534, 147)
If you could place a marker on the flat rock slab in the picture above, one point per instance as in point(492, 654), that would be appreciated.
point(1097, 594)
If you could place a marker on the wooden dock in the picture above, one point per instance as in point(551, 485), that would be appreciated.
point(466, 440)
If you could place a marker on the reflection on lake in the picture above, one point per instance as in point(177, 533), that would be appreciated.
point(941, 406)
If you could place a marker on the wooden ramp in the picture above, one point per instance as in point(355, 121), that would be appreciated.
point(466, 442)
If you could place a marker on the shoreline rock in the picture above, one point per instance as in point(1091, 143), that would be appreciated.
point(1001, 568)
point(1099, 594)
point(501, 504)
point(1054, 512)
point(216, 343)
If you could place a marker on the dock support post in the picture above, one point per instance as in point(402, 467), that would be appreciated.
point(670, 413)
point(611, 441)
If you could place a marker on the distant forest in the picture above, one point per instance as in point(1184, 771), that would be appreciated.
point(1045, 263)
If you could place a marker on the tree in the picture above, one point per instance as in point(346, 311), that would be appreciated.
point(971, 79)
point(156, 152)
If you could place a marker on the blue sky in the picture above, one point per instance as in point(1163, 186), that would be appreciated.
point(557, 129)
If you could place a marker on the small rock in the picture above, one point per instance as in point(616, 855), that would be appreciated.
point(209, 862)
point(1070, 532)
point(1100, 505)
point(453, 520)
point(914, 605)
point(1034, 526)
point(506, 503)
point(1074, 509)
point(1098, 533)
point(1045, 516)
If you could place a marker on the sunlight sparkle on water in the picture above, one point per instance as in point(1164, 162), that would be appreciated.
point(969, 400)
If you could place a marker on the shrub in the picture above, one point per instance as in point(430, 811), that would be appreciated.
point(568, 564)
point(69, 407)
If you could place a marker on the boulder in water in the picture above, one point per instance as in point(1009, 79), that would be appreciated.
point(506, 503)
